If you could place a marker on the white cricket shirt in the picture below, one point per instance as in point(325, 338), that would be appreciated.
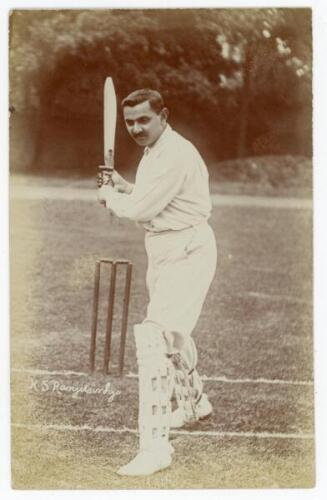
point(171, 189)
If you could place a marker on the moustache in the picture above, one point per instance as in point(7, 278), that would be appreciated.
point(139, 136)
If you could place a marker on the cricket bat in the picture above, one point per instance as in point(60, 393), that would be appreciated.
point(109, 131)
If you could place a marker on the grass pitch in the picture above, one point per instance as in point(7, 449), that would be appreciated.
point(256, 324)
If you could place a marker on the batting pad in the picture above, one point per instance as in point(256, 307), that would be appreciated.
point(188, 388)
point(188, 385)
point(155, 373)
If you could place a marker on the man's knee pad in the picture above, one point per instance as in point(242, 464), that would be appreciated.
point(150, 342)
point(184, 344)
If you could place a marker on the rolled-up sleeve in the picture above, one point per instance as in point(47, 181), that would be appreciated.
point(151, 196)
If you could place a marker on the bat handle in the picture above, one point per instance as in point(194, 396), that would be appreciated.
point(107, 173)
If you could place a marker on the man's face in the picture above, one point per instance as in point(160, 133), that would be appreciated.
point(143, 123)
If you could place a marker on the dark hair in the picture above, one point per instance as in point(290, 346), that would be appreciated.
point(142, 95)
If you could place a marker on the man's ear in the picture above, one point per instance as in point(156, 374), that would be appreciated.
point(164, 114)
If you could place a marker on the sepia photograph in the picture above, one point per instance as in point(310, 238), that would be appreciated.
point(161, 248)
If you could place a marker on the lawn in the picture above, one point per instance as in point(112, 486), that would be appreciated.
point(254, 339)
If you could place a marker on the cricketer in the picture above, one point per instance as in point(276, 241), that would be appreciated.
point(170, 199)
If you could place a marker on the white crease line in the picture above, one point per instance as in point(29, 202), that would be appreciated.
point(246, 380)
point(262, 435)
point(257, 381)
point(35, 371)
point(203, 377)
point(58, 427)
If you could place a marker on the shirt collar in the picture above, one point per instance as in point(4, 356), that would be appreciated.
point(160, 140)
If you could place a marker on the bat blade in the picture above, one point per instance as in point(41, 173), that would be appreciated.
point(110, 117)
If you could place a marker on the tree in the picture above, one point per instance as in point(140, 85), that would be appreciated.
point(267, 49)
point(227, 74)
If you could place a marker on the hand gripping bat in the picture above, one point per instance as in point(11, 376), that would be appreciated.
point(109, 125)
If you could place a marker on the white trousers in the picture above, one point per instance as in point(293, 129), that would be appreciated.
point(181, 266)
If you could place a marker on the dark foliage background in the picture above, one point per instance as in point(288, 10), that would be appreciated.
point(237, 81)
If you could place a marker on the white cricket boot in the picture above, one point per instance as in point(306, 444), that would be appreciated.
point(146, 463)
point(155, 372)
point(202, 409)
